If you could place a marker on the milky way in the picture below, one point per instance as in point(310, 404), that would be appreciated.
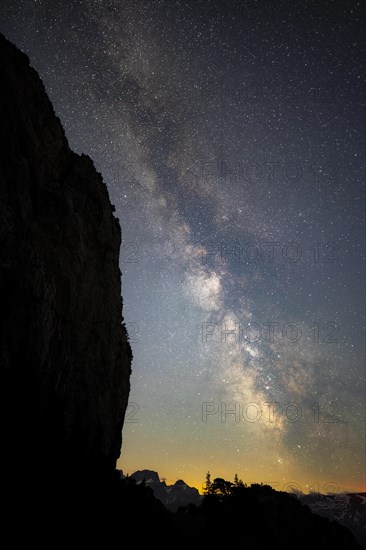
point(230, 136)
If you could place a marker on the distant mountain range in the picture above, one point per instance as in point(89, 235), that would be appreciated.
point(172, 496)
point(349, 509)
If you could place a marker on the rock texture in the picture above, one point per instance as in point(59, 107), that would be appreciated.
point(172, 496)
point(64, 352)
point(349, 509)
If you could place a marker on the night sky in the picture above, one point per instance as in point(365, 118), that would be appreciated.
point(230, 136)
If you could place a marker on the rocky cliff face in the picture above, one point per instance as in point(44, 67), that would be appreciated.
point(172, 496)
point(64, 353)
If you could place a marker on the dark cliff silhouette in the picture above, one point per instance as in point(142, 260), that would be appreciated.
point(64, 352)
point(65, 361)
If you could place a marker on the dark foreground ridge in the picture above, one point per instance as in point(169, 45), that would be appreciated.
point(65, 362)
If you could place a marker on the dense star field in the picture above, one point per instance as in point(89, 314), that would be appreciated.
point(230, 136)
